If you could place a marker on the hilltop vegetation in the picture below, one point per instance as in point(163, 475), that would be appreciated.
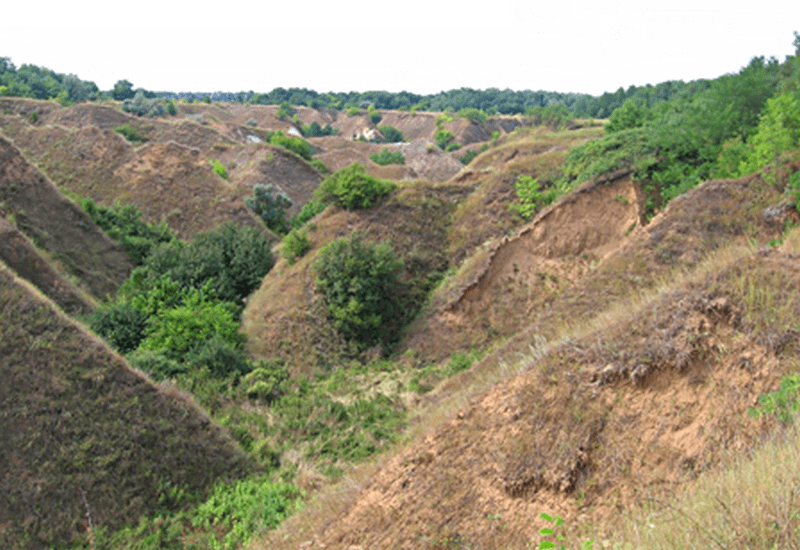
point(532, 312)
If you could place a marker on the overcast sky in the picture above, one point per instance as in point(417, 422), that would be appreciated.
point(422, 46)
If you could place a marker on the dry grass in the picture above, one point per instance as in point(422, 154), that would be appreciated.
point(752, 502)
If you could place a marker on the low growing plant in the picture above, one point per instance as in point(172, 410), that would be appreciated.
point(386, 157)
point(219, 168)
point(295, 245)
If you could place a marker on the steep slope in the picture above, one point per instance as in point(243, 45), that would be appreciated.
point(58, 226)
point(610, 396)
point(20, 254)
point(84, 437)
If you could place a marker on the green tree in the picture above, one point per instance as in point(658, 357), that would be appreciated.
point(270, 207)
point(391, 134)
point(122, 90)
point(630, 115)
point(778, 132)
point(362, 290)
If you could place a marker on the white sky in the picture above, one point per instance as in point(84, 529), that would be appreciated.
point(415, 45)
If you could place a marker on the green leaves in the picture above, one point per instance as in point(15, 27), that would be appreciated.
point(270, 207)
point(352, 188)
point(362, 290)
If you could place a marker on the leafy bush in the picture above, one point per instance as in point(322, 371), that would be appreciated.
point(531, 197)
point(362, 290)
point(391, 134)
point(272, 208)
point(188, 327)
point(783, 403)
point(353, 111)
point(130, 133)
point(443, 137)
point(124, 224)
point(219, 168)
point(295, 245)
point(122, 325)
point(266, 381)
point(374, 116)
point(220, 355)
point(296, 145)
point(386, 157)
point(156, 364)
point(320, 166)
point(308, 211)
point(139, 105)
point(234, 258)
point(468, 156)
point(352, 188)
point(454, 146)
point(315, 130)
point(476, 116)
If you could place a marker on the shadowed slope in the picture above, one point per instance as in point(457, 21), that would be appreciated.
point(58, 226)
point(83, 433)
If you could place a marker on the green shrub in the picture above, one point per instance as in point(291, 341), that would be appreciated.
point(296, 145)
point(267, 381)
point(320, 166)
point(219, 168)
point(308, 211)
point(452, 146)
point(391, 134)
point(234, 258)
point(236, 512)
point(171, 111)
point(442, 136)
point(468, 156)
point(271, 208)
point(386, 157)
point(531, 197)
point(362, 290)
point(352, 188)
point(295, 245)
point(476, 116)
point(130, 133)
point(124, 224)
point(374, 116)
point(139, 105)
point(187, 327)
point(122, 325)
point(220, 355)
point(315, 130)
point(353, 111)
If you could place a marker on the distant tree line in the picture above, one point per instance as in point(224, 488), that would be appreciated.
point(41, 83)
point(490, 101)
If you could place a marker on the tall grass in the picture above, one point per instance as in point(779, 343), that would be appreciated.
point(754, 502)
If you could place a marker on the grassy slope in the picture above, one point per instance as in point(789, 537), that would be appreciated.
point(58, 226)
point(79, 428)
